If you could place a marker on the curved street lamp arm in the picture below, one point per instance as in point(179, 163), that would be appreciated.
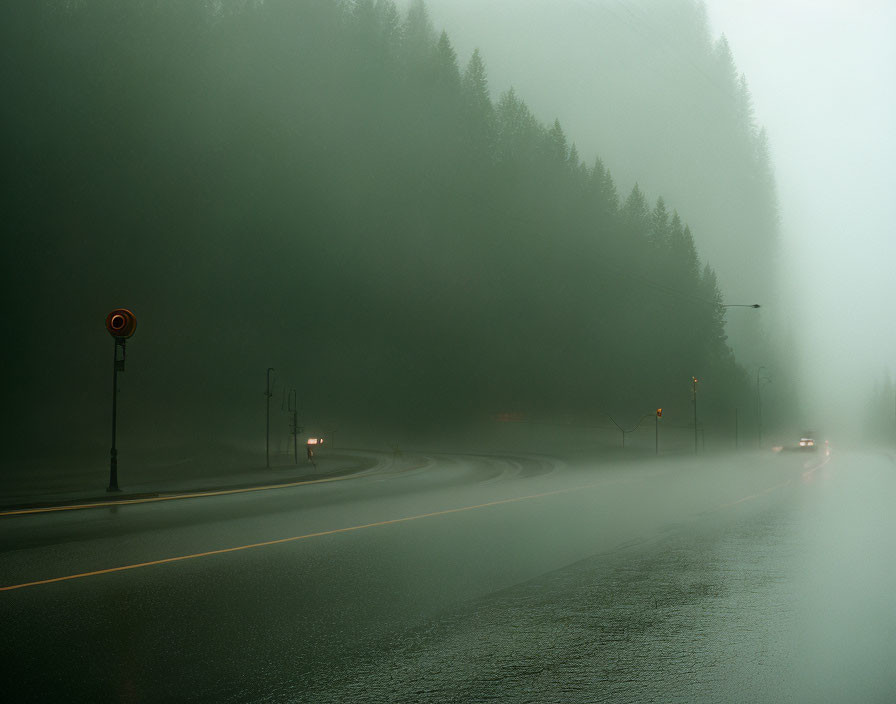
point(640, 420)
point(613, 421)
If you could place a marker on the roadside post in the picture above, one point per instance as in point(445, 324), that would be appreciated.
point(121, 324)
point(309, 447)
point(294, 426)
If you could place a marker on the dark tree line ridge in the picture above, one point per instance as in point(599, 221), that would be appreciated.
point(323, 187)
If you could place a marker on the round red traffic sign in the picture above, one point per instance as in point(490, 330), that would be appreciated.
point(121, 323)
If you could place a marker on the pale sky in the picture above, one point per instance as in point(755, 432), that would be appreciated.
point(823, 79)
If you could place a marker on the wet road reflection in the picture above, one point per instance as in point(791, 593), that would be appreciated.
point(751, 579)
point(756, 608)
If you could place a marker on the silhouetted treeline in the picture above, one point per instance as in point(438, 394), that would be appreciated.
point(648, 86)
point(327, 189)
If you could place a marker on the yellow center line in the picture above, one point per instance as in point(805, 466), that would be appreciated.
point(334, 531)
point(295, 538)
point(172, 497)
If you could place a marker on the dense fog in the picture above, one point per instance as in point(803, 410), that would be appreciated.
point(449, 350)
point(818, 81)
point(537, 214)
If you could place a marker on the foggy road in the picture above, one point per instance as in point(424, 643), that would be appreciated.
point(471, 578)
point(447, 351)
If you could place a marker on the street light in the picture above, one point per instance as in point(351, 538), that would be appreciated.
point(743, 305)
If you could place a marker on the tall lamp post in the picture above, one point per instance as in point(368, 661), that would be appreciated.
point(294, 423)
point(736, 430)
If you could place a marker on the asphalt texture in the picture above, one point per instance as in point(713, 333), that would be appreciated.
point(59, 482)
point(438, 577)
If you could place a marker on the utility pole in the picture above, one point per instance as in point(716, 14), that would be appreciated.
point(294, 424)
point(656, 421)
point(267, 432)
point(695, 414)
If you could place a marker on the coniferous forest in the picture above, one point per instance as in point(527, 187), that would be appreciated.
point(326, 188)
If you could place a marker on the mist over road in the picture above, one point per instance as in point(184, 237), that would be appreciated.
point(464, 578)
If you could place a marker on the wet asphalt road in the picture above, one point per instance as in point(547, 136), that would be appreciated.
point(748, 578)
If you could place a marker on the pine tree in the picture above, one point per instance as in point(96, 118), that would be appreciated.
point(725, 69)
point(556, 145)
point(477, 102)
point(713, 335)
point(516, 127)
point(658, 234)
point(746, 117)
point(447, 74)
point(604, 194)
point(685, 262)
point(477, 111)
point(417, 38)
point(636, 214)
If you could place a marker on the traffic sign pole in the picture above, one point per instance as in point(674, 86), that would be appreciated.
point(121, 324)
point(113, 459)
